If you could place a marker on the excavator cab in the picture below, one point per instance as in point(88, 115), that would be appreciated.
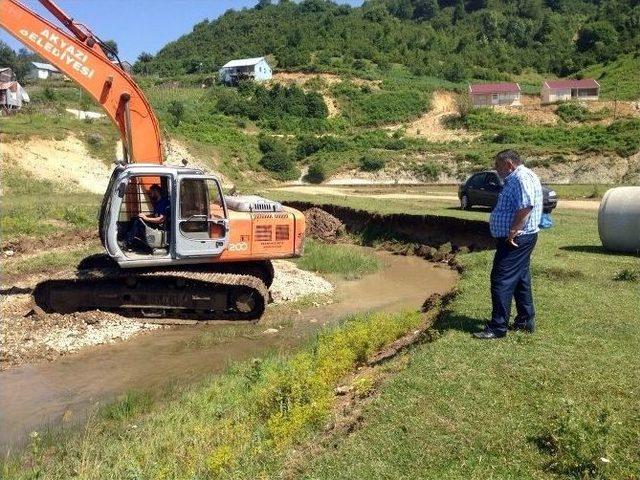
point(195, 225)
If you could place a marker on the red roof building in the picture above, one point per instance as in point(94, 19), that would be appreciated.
point(488, 94)
point(569, 89)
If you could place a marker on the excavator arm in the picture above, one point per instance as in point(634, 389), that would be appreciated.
point(82, 58)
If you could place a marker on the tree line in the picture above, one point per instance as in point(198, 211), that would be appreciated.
point(450, 39)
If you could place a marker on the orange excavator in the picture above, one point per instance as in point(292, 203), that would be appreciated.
point(209, 258)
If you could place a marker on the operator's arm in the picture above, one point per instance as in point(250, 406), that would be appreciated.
point(518, 224)
point(156, 219)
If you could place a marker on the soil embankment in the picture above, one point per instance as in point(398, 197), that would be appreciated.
point(431, 230)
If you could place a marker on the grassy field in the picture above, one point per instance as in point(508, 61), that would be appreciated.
point(347, 261)
point(542, 406)
point(36, 207)
point(549, 405)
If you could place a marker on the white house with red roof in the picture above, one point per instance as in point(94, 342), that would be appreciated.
point(488, 94)
point(569, 89)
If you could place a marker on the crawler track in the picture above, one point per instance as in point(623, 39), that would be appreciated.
point(186, 293)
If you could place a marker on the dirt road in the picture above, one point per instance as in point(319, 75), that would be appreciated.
point(440, 196)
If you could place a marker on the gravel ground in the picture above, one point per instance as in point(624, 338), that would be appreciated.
point(27, 339)
point(290, 283)
point(46, 337)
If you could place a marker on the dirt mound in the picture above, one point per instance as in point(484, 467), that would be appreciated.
point(290, 283)
point(323, 226)
point(67, 162)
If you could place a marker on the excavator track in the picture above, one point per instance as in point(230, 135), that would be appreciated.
point(174, 293)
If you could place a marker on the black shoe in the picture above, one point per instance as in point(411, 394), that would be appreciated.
point(518, 327)
point(488, 335)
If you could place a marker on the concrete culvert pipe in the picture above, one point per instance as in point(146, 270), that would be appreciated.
point(619, 219)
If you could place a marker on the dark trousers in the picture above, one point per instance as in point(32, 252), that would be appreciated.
point(511, 278)
point(136, 232)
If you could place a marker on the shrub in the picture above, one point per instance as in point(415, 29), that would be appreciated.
point(371, 163)
point(271, 144)
point(308, 145)
point(427, 171)
point(396, 144)
point(94, 139)
point(276, 161)
point(572, 112)
point(317, 173)
point(378, 108)
point(49, 93)
point(176, 110)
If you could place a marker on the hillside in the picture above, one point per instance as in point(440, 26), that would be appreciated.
point(619, 79)
point(449, 39)
point(375, 93)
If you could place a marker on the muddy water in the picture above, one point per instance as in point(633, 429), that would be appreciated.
point(33, 397)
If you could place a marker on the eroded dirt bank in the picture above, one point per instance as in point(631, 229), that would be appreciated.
point(430, 230)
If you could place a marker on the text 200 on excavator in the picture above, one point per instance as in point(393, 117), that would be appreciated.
point(211, 259)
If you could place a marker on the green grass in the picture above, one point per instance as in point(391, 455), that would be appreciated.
point(35, 207)
point(619, 80)
point(550, 405)
point(237, 425)
point(347, 261)
point(49, 261)
point(543, 406)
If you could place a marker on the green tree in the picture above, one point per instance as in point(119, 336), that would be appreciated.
point(458, 12)
point(111, 49)
point(176, 110)
point(599, 39)
point(425, 9)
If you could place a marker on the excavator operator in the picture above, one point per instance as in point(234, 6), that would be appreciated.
point(159, 217)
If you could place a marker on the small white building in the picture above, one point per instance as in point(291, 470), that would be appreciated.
point(43, 71)
point(489, 94)
point(256, 69)
point(566, 90)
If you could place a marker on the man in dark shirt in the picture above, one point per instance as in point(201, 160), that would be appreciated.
point(159, 217)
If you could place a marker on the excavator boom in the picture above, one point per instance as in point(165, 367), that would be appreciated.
point(82, 59)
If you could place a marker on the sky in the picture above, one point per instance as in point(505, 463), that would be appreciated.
point(139, 25)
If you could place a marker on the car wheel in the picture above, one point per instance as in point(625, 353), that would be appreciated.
point(464, 203)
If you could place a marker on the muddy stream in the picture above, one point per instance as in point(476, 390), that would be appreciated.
point(63, 393)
